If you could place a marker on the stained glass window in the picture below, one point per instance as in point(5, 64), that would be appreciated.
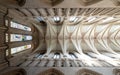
point(17, 37)
point(7, 52)
point(6, 22)
point(20, 26)
point(19, 49)
point(6, 37)
point(56, 56)
point(72, 55)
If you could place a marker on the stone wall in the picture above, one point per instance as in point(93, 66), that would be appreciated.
point(68, 70)
point(3, 45)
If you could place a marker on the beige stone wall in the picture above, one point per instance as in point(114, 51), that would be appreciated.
point(12, 60)
point(67, 70)
point(3, 45)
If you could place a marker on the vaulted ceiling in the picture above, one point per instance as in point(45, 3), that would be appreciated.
point(72, 25)
point(85, 29)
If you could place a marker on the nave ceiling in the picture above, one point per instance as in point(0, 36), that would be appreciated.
point(96, 29)
point(90, 30)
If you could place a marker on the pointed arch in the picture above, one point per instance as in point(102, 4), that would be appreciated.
point(51, 71)
point(21, 2)
point(116, 71)
point(87, 72)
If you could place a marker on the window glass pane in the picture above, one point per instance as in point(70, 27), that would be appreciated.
point(17, 37)
point(72, 55)
point(21, 48)
point(20, 26)
point(6, 37)
point(6, 22)
point(56, 56)
point(13, 50)
point(6, 52)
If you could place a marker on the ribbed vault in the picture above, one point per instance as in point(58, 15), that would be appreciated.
point(89, 33)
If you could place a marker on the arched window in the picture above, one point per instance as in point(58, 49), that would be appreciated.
point(18, 37)
point(19, 49)
point(73, 55)
point(56, 19)
point(56, 56)
point(20, 26)
point(73, 19)
point(40, 55)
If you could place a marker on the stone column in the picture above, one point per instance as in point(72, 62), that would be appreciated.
point(75, 62)
point(50, 63)
point(58, 63)
point(67, 64)
point(81, 63)
point(43, 62)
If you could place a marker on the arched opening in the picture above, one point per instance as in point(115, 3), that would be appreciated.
point(19, 71)
point(51, 72)
point(87, 72)
point(116, 71)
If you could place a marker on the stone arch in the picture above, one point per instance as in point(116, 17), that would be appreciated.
point(18, 71)
point(51, 72)
point(53, 2)
point(21, 2)
point(116, 71)
point(87, 72)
